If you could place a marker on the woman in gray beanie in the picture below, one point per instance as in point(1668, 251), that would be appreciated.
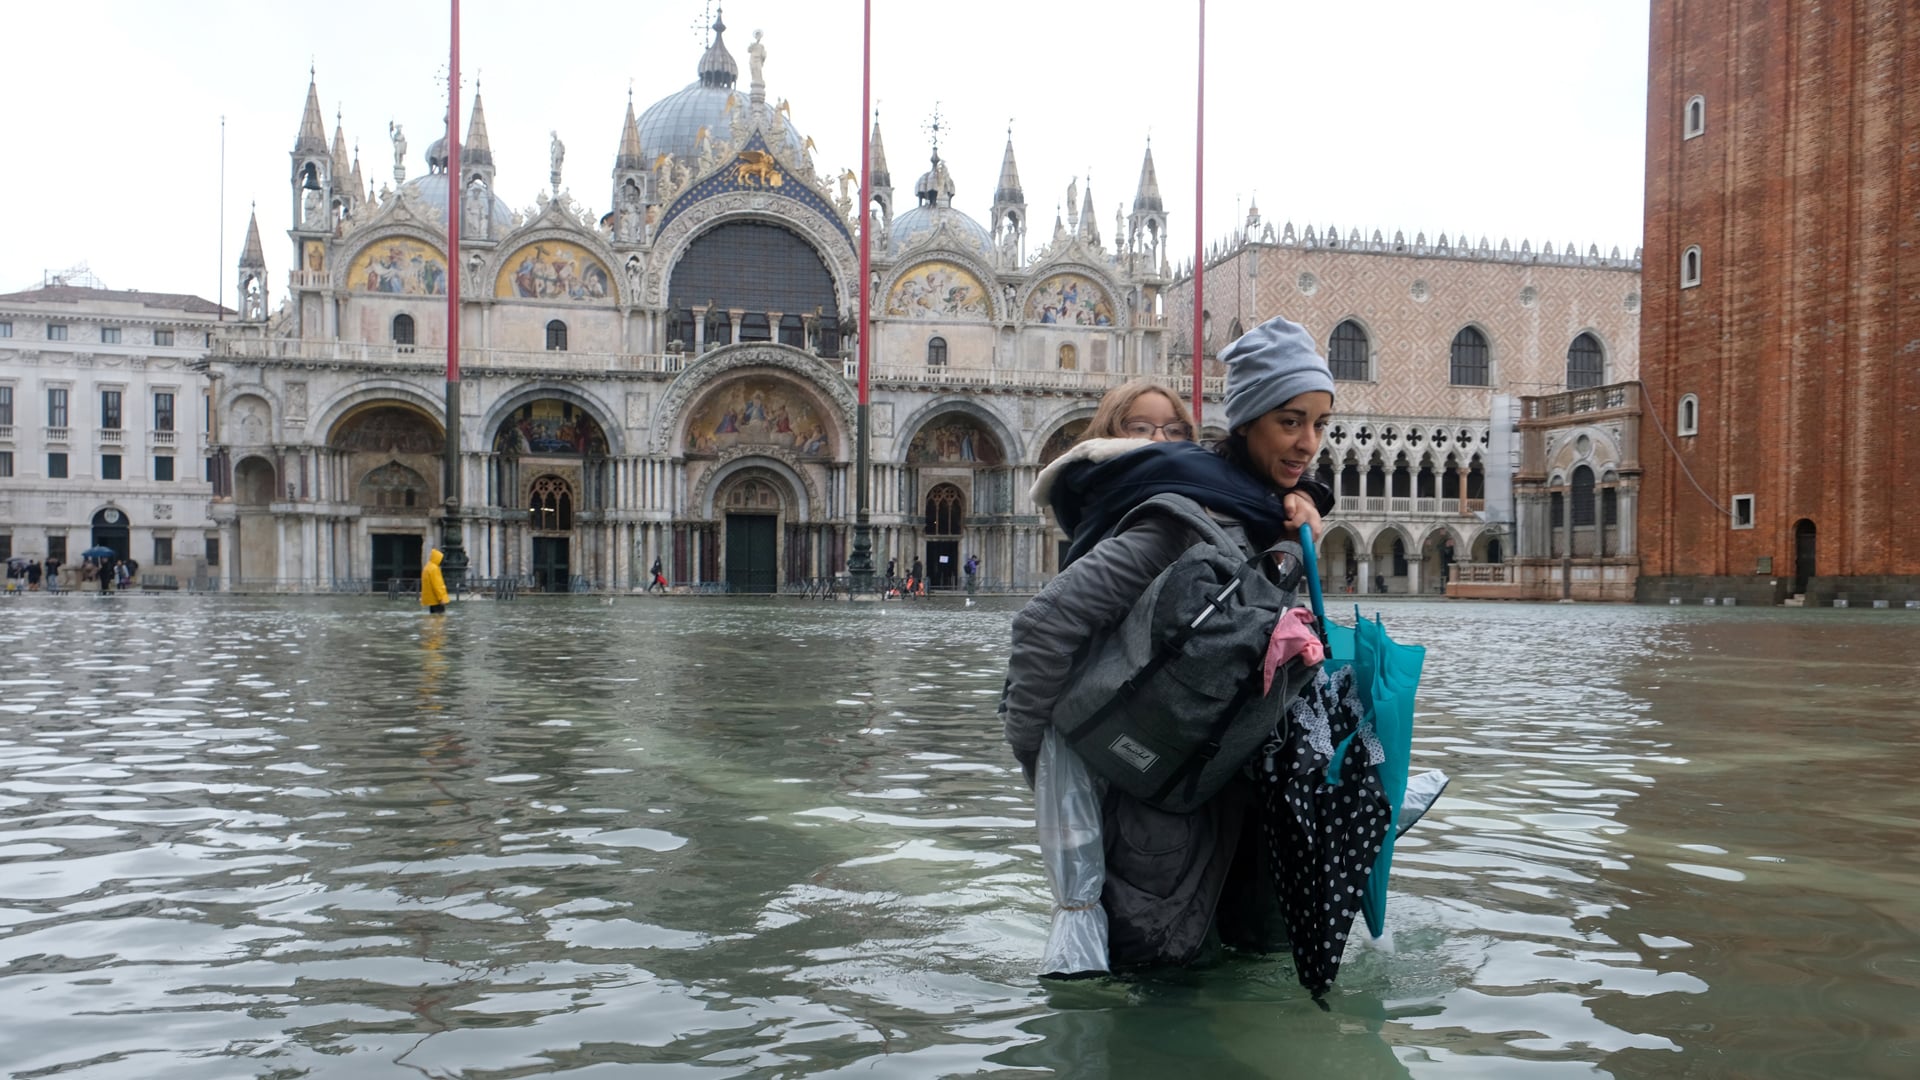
point(1174, 884)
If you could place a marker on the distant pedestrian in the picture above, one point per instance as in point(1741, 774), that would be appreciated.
point(916, 579)
point(53, 574)
point(973, 570)
point(433, 584)
point(658, 576)
point(33, 576)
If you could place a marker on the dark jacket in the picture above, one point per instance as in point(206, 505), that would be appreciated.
point(1173, 881)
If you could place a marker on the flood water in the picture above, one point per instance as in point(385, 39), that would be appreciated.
point(680, 837)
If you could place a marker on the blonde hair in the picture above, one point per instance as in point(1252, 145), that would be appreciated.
point(1115, 407)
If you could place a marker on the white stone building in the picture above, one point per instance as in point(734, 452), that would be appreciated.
point(672, 377)
point(103, 417)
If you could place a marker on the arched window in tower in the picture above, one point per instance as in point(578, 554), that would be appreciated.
point(1347, 352)
point(403, 332)
point(556, 336)
point(551, 505)
point(1586, 367)
point(946, 511)
point(1580, 493)
point(1069, 357)
point(1689, 419)
point(1469, 362)
point(1690, 267)
point(1696, 117)
point(937, 352)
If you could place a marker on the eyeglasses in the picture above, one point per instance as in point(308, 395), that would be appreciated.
point(1143, 429)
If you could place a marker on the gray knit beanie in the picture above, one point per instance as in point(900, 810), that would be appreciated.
point(1270, 365)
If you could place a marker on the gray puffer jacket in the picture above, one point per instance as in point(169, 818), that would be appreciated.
point(1167, 874)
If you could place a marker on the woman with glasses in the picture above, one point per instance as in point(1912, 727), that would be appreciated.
point(1175, 886)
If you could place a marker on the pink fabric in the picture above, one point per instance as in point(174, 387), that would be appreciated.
point(1292, 636)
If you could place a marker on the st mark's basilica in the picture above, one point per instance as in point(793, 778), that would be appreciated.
point(673, 378)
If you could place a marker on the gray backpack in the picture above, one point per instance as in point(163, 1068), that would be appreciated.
point(1169, 705)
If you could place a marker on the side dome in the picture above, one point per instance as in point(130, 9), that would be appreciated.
point(923, 221)
point(431, 190)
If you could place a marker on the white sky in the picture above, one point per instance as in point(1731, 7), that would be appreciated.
point(1522, 119)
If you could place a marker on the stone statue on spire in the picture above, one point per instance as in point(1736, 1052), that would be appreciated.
point(399, 138)
point(757, 61)
point(556, 153)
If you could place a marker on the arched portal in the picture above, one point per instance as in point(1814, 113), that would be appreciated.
point(962, 448)
point(110, 530)
point(391, 455)
point(753, 506)
point(256, 554)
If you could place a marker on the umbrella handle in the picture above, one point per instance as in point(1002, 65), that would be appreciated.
point(1313, 576)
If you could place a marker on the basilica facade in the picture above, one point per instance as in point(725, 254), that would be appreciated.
point(671, 378)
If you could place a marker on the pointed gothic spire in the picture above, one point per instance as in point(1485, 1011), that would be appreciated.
point(339, 151)
point(476, 150)
point(313, 129)
point(879, 165)
point(1089, 222)
point(717, 66)
point(630, 156)
point(1009, 188)
point(359, 185)
point(1147, 199)
point(253, 256)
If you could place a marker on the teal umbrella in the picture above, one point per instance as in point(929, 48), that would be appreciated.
point(1386, 674)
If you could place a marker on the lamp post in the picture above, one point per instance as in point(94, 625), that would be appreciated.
point(860, 562)
point(454, 563)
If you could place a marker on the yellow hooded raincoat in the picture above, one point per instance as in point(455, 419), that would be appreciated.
point(433, 587)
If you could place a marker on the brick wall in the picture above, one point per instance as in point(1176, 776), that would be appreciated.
point(1802, 341)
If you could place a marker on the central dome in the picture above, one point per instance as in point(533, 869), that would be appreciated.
point(672, 124)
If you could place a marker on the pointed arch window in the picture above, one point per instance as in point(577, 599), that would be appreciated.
point(1469, 358)
point(1348, 352)
point(937, 352)
point(1586, 367)
point(556, 336)
point(403, 332)
point(551, 508)
point(1690, 266)
point(946, 513)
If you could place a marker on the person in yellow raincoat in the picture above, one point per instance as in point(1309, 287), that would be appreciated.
point(433, 587)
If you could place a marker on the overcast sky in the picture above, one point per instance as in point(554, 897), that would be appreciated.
point(1522, 119)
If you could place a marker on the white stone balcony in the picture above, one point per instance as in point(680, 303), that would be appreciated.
point(161, 438)
point(57, 434)
point(110, 437)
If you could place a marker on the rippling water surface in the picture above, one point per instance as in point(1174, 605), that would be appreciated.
point(706, 838)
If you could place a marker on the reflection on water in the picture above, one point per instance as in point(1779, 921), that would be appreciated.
point(731, 838)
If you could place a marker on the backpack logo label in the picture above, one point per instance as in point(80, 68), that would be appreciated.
point(1133, 753)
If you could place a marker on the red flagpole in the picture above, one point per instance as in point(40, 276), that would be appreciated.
point(1199, 211)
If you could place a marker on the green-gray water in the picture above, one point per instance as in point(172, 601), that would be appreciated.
point(707, 838)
